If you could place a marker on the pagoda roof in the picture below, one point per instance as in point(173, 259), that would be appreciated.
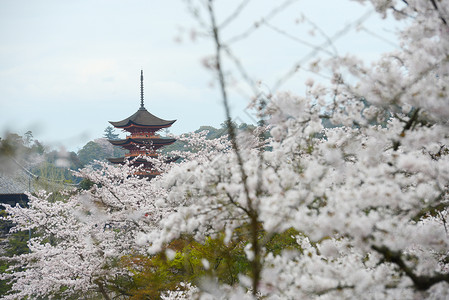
point(117, 160)
point(121, 160)
point(139, 160)
point(143, 118)
point(152, 141)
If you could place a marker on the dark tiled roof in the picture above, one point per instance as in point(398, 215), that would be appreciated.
point(117, 160)
point(15, 181)
point(155, 141)
point(143, 118)
point(121, 160)
point(13, 199)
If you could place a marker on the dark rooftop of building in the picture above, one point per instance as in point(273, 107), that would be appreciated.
point(154, 141)
point(143, 118)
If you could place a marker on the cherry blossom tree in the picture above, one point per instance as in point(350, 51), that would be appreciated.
point(369, 197)
point(78, 243)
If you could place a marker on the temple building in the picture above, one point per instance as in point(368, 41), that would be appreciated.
point(143, 140)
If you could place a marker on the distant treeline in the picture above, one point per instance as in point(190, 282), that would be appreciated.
point(18, 151)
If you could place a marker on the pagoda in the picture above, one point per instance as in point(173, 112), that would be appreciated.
point(143, 140)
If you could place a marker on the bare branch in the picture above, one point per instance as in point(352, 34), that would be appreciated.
point(253, 215)
point(379, 37)
point(323, 34)
point(256, 25)
point(296, 39)
point(313, 53)
point(421, 283)
point(235, 14)
point(439, 12)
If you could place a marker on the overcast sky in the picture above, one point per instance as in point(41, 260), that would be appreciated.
point(69, 67)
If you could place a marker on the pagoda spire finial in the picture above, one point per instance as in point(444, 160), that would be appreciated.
point(141, 90)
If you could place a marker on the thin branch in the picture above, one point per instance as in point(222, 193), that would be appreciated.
point(296, 39)
point(379, 37)
point(313, 53)
point(443, 219)
point(323, 34)
point(231, 129)
point(439, 12)
point(421, 283)
point(432, 209)
point(235, 14)
point(102, 289)
point(256, 25)
point(237, 204)
point(407, 126)
point(337, 288)
point(256, 266)
point(240, 68)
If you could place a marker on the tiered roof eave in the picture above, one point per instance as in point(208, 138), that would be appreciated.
point(143, 142)
point(143, 118)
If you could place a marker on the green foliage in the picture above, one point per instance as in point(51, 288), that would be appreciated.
point(193, 261)
point(279, 242)
point(13, 244)
point(5, 285)
point(96, 150)
point(16, 151)
point(110, 134)
point(17, 243)
point(51, 178)
point(15, 145)
point(213, 133)
point(86, 184)
point(28, 138)
point(12, 145)
point(90, 152)
point(119, 152)
point(38, 148)
point(153, 275)
point(72, 159)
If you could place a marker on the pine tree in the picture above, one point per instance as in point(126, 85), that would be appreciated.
point(110, 134)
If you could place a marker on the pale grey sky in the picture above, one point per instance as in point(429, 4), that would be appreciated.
point(69, 67)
